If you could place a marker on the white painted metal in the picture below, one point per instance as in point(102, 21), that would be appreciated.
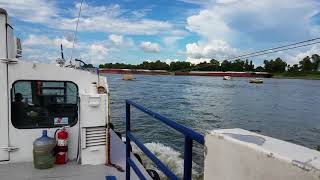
point(23, 138)
point(94, 109)
point(3, 54)
point(93, 150)
point(12, 52)
point(236, 154)
point(4, 155)
point(4, 143)
point(118, 156)
point(94, 112)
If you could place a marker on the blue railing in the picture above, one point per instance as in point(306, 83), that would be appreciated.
point(188, 133)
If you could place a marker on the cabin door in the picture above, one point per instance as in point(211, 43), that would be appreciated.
point(4, 139)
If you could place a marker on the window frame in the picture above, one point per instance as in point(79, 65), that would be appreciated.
point(42, 127)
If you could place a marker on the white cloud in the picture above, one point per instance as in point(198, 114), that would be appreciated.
point(114, 19)
point(171, 40)
point(209, 25)
point(199, 2)
point(38, 11)
point(263, 22)
point(173, 37)
point(37, 40)
point(299, 54)
point(168, 61)
point(150, 47)
point(116, 39)
point(96, 53)
point(284, 20)
point(109, 19)
point(197, 61)
point(214, 49)
point(40, 55)
point(45, 49)
point(140, 13)
point(119, 42)
point(99, 49)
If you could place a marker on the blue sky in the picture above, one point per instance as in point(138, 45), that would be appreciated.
point(132, 31)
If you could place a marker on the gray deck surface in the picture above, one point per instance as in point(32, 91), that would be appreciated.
point(26, 171)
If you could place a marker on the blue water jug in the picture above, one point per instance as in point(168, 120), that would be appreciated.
point(43, 151)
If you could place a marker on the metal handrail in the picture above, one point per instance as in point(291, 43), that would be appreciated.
point(189, 134)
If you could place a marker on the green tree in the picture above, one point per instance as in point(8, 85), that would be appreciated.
point(259, 69)
point(180, 66)
point(279, 65)
point(316, 62)
point(144, 65)
point(248, 66)
point(267, 65)
point(276, 66)
point(215, 65)
point(225, 65)
point(306, 64)
point(158, 65)
point(203, 66)
point(251, 66)
point(88, 66)
point(293, 68)
point(238, 65)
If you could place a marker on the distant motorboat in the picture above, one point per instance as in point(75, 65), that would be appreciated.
point(127, 77)
point(256, 80)
point(227, 78)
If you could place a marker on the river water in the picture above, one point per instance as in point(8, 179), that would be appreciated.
point(286, 109)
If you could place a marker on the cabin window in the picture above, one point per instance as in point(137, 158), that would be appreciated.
point(44, 104)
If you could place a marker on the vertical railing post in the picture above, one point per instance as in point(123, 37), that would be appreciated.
point(187, 171)
point(127, 140)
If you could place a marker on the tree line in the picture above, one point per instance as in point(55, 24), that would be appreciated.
point(278, 65)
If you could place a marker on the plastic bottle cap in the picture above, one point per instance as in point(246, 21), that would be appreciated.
point(44, 133)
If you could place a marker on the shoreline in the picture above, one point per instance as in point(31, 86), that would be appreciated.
point(296, 77)
point(300, 75)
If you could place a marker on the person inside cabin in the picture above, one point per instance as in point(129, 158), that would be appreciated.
point(19, 112)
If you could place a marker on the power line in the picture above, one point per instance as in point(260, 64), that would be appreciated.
point(274, 51)
point(267, 51)
point(275, 48)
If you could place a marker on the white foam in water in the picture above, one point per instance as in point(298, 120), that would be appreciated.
point(173, 159)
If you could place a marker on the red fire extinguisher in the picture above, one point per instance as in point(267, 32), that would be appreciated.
point(62, 146)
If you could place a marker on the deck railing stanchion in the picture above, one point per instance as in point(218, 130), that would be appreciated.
point(127, 141)
point(187, 171)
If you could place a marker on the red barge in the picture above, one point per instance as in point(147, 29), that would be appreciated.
point(191, 73)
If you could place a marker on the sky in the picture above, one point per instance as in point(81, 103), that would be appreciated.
point(133, 31)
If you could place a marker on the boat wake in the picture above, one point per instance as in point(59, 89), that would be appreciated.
point(170, 157)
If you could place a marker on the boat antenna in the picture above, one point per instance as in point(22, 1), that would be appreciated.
point(61, 48)
point(76, 30)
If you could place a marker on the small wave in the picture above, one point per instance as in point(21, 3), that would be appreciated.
point(168, 156)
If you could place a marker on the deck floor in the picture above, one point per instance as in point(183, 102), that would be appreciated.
point(74, 171)
point(71, 171)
